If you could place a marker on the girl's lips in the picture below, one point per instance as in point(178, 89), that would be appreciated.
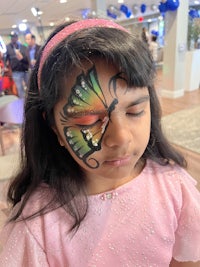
point(119, 161)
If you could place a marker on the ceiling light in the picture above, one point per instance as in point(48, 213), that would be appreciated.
point(63, 1)
point(34, 11)
point(22, 27)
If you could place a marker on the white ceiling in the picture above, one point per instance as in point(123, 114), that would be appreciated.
point(14, 11)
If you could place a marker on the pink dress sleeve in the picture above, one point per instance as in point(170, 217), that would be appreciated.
point(18, 248)
point(187, 235)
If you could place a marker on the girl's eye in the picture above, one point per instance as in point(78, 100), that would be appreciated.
point(135, 114)
point(86, 120)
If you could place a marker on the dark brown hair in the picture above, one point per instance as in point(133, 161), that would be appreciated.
point(43, 159)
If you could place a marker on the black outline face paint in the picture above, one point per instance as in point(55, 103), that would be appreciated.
point(87, 116)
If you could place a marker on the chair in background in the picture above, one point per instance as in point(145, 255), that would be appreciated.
point(11, 112)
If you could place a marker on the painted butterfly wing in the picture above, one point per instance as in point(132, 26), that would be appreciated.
point(86, 94)
point(84, 141)
point(75, 140)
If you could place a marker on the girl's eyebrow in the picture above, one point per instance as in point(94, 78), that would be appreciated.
point(139, 100)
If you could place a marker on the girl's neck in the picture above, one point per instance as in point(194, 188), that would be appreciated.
point(98, 185)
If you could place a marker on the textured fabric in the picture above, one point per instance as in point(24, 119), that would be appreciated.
point(142, 223)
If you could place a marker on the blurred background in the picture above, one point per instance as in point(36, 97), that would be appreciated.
point(41, 15)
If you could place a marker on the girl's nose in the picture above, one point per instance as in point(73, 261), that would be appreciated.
point(117, 133)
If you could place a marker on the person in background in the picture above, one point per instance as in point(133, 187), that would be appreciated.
point(6, 81)
point(33, 48)
point(153, 47)
point(99, 184)
point(18, 59)
point(145, 35)
point(1, 73)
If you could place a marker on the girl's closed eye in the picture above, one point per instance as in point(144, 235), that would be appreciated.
point(135, 111)
point(86, 120)
point(138, 108)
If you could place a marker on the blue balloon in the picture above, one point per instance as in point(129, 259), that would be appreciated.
point(155, 33)
point(162, 7)
point(172, 5)
point(193, 13)
point(85, 13)
point(125, 10)
point(112, 15)
point(143, 8)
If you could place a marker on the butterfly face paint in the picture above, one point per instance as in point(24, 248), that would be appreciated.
point(87, 116)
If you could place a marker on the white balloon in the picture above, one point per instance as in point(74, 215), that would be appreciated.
point(153, 7)
point(114, 10)
point(92, 14)
point(135, 9)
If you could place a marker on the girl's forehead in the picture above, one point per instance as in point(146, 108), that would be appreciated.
point(104, 72)
point(102, 67)
point(97, 82)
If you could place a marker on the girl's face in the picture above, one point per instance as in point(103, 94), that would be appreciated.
point(104, 124)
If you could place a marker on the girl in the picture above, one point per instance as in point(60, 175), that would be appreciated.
point(99, 183)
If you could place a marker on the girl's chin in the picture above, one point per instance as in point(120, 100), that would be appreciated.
point(116, 169)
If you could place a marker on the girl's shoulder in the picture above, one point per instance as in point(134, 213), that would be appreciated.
point(173, 180)
point(169, 172)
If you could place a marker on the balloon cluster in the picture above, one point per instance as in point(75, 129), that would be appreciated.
point(164, 6)
point(168, 5)
point(114, 12)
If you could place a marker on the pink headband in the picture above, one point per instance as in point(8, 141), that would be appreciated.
point(77, 26)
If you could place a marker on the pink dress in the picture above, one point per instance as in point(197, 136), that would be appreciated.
point(145, 222)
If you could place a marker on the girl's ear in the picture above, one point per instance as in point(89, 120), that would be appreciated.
point(60, 141)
